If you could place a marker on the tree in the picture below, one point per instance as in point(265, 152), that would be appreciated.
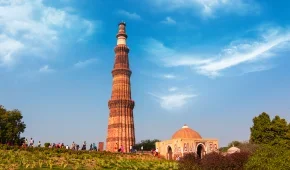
point(223, 149)
point(11, 126)
point(269, 157)
point(148, 144)
point(265, 131)
point(234, 143)
point(46, 144)
point(248, 147)
point(244, 146)
point(287, 137)
point(280, 130)
point(261, 130)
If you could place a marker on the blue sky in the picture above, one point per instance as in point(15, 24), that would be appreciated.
point(212, 64)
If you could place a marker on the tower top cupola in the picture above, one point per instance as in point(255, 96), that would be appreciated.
point(121, 35)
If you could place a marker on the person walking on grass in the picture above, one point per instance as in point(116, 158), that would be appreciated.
point(156, 152)
point(94, 147)
point(84, 146)
point(73, 146)
point(31, 142)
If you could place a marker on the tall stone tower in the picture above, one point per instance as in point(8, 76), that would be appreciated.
point(121, 130)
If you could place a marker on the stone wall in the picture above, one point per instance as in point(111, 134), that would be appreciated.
point(184, 146)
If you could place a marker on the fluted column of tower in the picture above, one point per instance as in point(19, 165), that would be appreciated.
point(121, 121)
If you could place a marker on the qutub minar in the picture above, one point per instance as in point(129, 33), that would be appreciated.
point(121, 130)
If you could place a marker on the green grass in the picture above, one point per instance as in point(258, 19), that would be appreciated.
point(66, 159)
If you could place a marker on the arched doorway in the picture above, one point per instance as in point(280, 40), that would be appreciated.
point(169, 153)
point(200, 150)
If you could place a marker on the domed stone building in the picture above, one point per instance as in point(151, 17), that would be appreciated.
point(186, 140)
point(233, 149)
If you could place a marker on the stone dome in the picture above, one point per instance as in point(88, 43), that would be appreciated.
point(233, 149)
point(186, 132)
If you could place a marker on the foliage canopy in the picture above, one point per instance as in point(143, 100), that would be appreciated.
point(11, 126)
point(269, 157)
point(148, 144)
point(272, 132)
point(214, 161)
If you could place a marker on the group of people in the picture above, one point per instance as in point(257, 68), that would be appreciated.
point(30, 143)
point(76, 147)
point(73, 146)
point(84, 147)
point(121, 149)
point(155, 152)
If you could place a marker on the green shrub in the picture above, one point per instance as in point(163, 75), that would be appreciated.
point(248, 147)
point(189, 162)
point(269, 157)
point(46, 144)
point(215, 161)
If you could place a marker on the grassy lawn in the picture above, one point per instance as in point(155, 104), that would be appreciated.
point(42, 158)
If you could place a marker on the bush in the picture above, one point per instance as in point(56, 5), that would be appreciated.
point(213, 161)
point(216, 161)
point(46, 144)
point(244, 146)
point(223, 149)
point(189, 162)
point(248, 147)
point(237, 160)
point(269, 157)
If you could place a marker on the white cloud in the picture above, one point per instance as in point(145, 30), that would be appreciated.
point(268, 43)
point(172, 89)
point(85, 63)
point(8, 49)
point(168, 76)
point(164, 76)
point(36, 29)
point(174, 100)
point(129, 15)
point(46, 69)
point(168, 20)
point(207, 8)
point(174, 97)
point(241, 53)
point(256, 68)
point(170, 57)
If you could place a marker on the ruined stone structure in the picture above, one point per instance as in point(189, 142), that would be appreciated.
point(121, 121)
point(184, 141)
point(101, 146)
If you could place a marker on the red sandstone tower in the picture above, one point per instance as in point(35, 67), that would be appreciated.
point(121, 130)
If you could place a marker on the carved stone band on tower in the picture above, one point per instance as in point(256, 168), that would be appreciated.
point(121, 131)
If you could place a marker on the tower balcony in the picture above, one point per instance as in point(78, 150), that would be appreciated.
point(121, 103)
point(121, 71)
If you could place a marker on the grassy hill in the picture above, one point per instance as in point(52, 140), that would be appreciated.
point(45, 158)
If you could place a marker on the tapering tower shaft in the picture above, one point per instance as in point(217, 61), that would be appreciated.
point(121, 121)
